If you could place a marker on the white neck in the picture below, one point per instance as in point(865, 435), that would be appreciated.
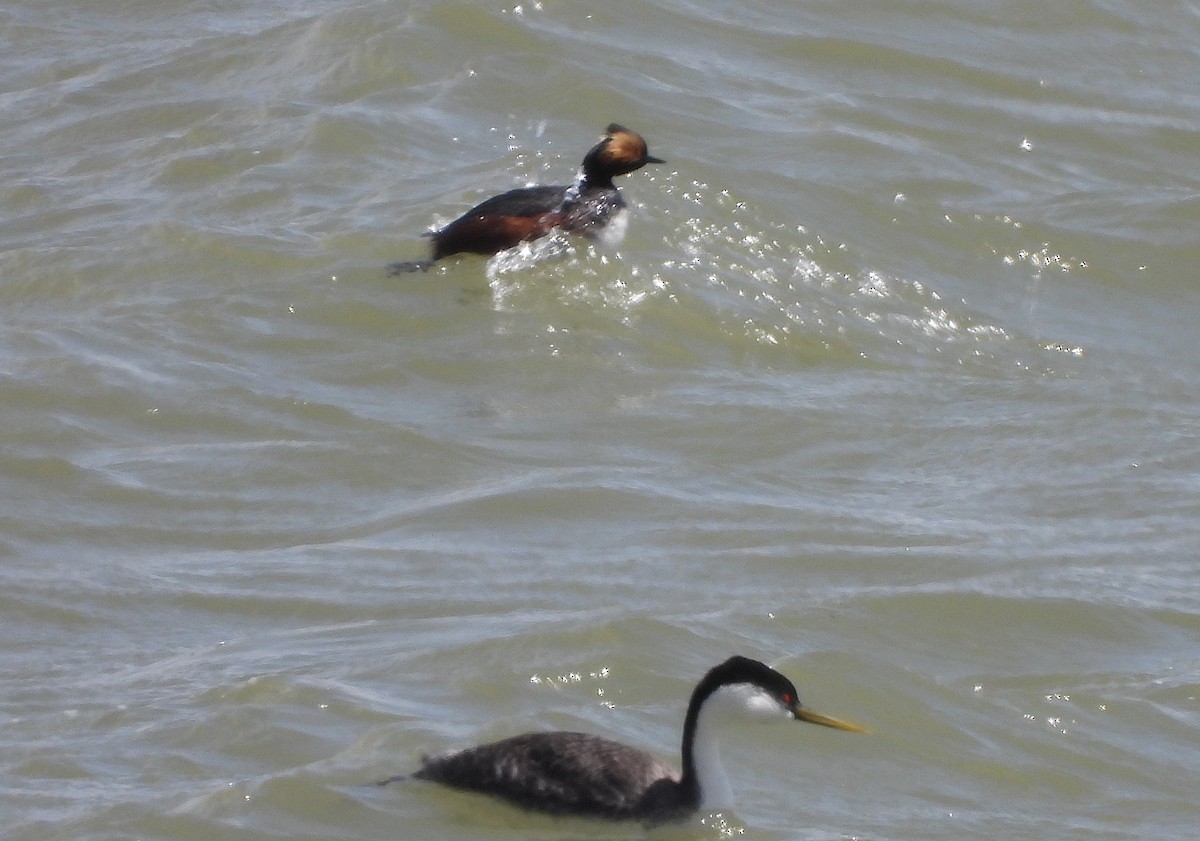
point(743, 701)
point(715, 793)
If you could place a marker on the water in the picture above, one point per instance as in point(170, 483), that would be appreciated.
point(892, 383)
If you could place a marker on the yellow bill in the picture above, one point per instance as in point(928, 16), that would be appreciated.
point(803, 714)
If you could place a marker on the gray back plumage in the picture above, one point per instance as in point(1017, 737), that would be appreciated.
point(565, 773)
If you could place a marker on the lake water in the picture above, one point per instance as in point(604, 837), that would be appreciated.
point(894, 383)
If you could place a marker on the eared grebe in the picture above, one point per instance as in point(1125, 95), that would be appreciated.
point(578, 774)
point(517, 216)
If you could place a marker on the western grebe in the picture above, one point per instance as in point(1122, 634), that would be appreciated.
point(578, 774)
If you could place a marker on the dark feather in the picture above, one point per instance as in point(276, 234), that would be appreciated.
point(565, 774)
point(527, 201)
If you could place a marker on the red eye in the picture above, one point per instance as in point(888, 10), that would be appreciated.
point(788, 699)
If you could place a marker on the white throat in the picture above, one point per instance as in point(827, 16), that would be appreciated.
point(736, 702)
point(715, 793)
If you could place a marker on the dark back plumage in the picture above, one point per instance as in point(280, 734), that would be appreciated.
point(560, 773)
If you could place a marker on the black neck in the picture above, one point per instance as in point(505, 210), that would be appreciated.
point(689, 780)
point(596, 181)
